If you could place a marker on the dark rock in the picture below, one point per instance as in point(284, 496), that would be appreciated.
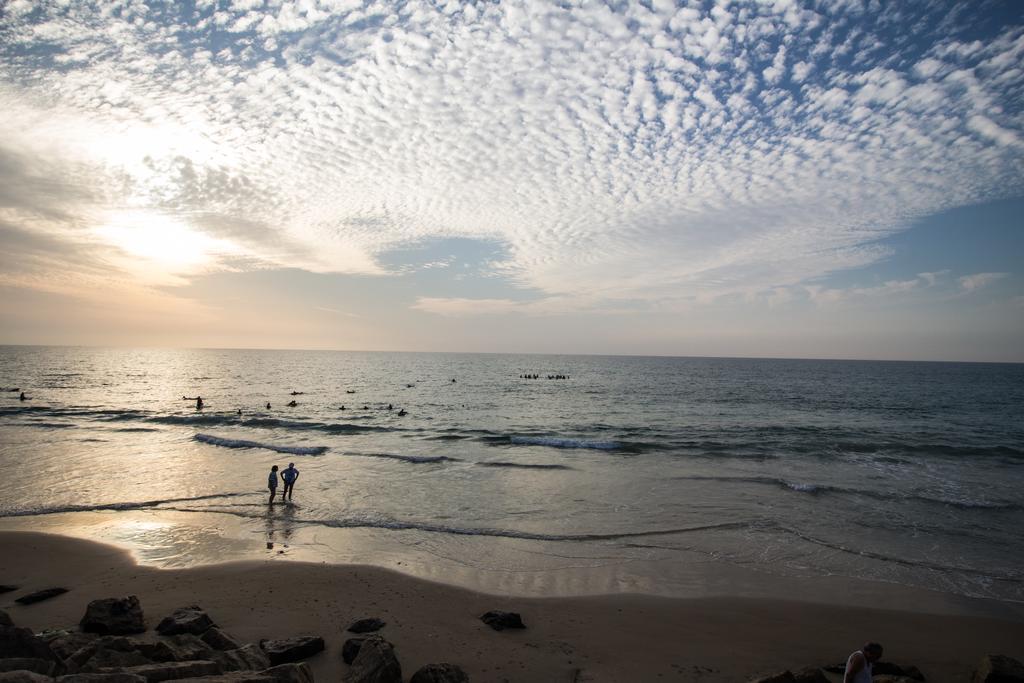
point(109, 658)
point(247, 658)
point(350, 650)
point(114, 616)
point(998, 669)
point(7, 589)
point(23, 677)
point(46, 667)
point(784, 677)
point(912, 671)
point(39, 596)
point(21, 642)
point(500, 621)
point(375, 663)
point(232, 677)
point(66, 643)
point(810, 675)
point(183, 647)
point(292, 649)
point(298, 672)
point(5, 619)
point(101, 678)
point(219, 640)
point(439, 673)
point(185, 620)
point(892, 678)
point(170, 671)
point(366, 625)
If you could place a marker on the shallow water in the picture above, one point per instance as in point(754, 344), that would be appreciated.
point(902, 472)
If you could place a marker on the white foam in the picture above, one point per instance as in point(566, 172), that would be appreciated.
point(241, 443)
point(560, 442)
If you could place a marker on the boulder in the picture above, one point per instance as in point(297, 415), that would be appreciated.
point(783, 677)
point(500, 621)
point(104, 658)
point(247, 658)
point(66, 643)
point(114, 616)
point(298, 672)
point(375, 663)
point(439, 673)
point(219, 640)
point(998, 669)
point(183, 647)
point(101, 678)
point(46, 667)
point(366, 625)
point(810, 675)
point(169, 671)
point(21, 642)
point(23, 677)
point(232, 677)
point(185, 620)
point(39, 596)
point(350, 650)
point(6, 588)
point(5, 619)
point(890, 669)
point(292, 649)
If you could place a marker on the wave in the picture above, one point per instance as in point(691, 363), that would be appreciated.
point(418, 459)
point(564, 442)
point(241, 443)
point(523, 465)
point(800, 487)
point(129, 505)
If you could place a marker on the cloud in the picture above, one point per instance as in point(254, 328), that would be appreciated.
point(618, 154)
point(973, 283)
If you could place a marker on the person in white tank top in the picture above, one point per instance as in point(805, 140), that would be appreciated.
point(860, 663)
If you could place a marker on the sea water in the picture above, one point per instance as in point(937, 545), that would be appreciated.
point(656, 470)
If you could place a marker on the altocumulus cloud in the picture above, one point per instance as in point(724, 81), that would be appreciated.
point(622, 152)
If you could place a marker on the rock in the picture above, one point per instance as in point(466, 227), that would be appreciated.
point(183, 647)
point(810, 675)
point(232, 677)
point(66, 643)
point(298, 672)
point(219, 640)
point(375, 663)
point(7, 588)
point(913, 672)
point(185, 620)
point(169, 671)
point(998, 669)
point(247, 658)
point(500, 621)
point(114, 616)
point(292, 649)
point(366, 625)
point(46, 667)
point(439, 673)
point(101, 678)
point(104, 658)
point(39, 596)
point(891, 678)
point(23, 677)
point(350, 650)
point(21, 642)
point(5, 619)
point(784, 677)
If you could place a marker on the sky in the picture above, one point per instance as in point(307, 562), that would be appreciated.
point(828, 179)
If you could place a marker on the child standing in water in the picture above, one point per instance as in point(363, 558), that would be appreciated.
point(272, 484)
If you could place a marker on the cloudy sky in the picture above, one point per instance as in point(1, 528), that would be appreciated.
point(834, 178)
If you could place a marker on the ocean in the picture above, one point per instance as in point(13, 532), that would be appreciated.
point(547, 474)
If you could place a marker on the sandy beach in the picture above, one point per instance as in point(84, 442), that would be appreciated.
point(603, 638)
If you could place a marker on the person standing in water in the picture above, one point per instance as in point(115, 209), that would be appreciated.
point(289, 475)
point(860, 663)
point(272, 484)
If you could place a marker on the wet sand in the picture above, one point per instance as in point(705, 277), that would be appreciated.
point(599, 638)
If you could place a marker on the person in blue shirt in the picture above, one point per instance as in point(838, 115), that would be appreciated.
point(272, 484)
point(289, 475)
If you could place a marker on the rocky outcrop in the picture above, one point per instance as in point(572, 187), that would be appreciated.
point(292, 649)
point(5, 619)
point(169, 671)
point(298, 672)
point(439, 673)
point(46, 667)
point(23, 677)
point(114, 616)
point(39, 596)
point(998, 669)
point(101, 678)
point(185, 620)
point(66, 643)
point(366, 625)
point(810, 675)
point(21, 642)
point(375, 663)
point(247, 658)
point(500, 621)
point(219, 640)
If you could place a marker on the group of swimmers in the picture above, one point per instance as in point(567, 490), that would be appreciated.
point(538, 376)
point(291, 404)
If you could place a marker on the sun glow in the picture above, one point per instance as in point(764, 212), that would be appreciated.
point(162, 240)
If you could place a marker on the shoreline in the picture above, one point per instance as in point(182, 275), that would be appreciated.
point(619, 637)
